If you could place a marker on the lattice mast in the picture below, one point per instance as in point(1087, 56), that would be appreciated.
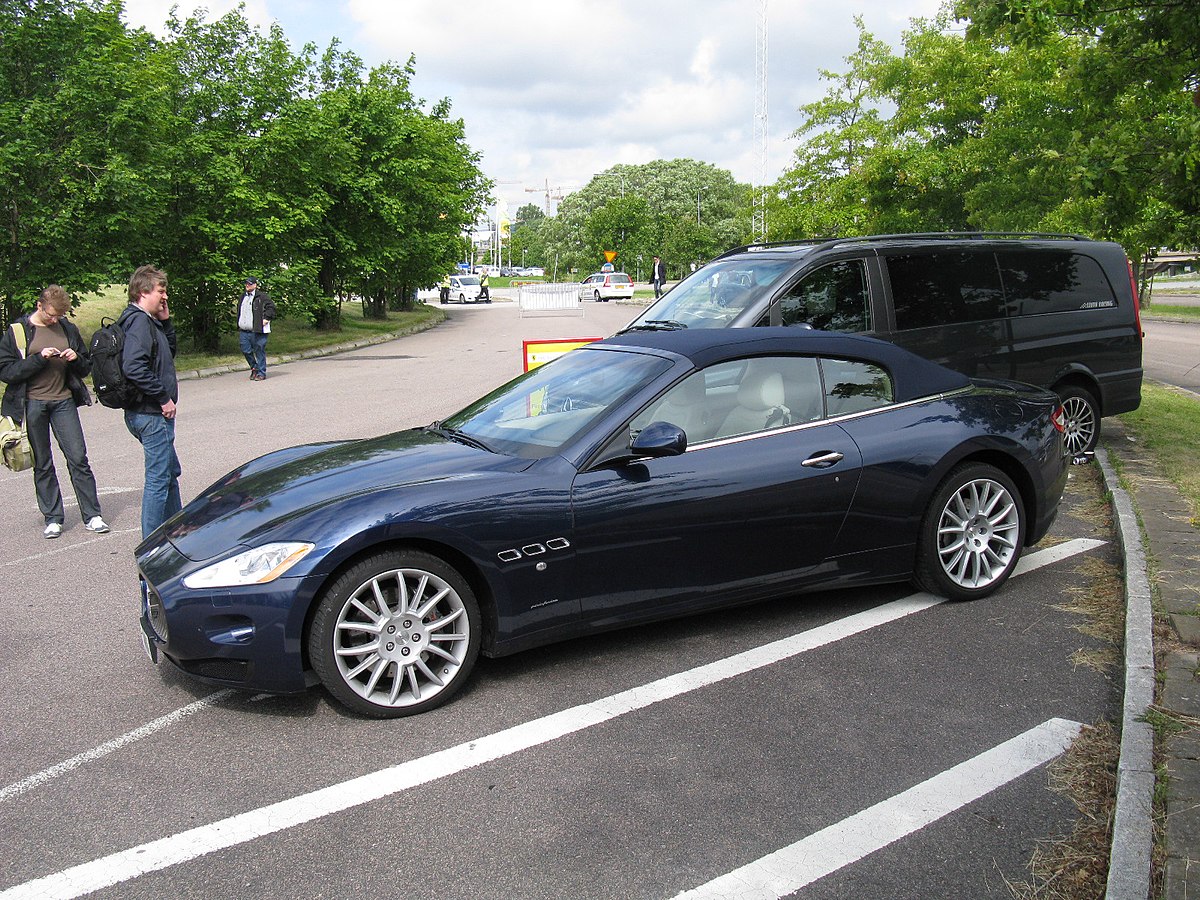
point(758, 221)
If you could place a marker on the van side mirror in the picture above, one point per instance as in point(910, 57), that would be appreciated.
point(659, 439)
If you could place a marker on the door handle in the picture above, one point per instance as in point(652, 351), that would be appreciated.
point(823, 460)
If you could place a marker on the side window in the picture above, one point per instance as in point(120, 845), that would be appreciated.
point(697, 404)
point(772, 392)
point(855, 386)
point(945, 288)
point(1050, 281)
point(831, 298)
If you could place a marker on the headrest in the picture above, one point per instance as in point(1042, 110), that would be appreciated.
point(761, 390)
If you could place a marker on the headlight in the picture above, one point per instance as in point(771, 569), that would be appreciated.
point(256, 566)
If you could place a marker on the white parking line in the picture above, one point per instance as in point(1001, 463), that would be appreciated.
point(20, 787)
point(187, 845)
point(65, 544)
point(786, 871)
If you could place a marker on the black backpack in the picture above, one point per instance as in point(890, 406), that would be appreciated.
point(113, 389)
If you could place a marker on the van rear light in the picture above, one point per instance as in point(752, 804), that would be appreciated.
point(1059, 419)
point(1137, 303)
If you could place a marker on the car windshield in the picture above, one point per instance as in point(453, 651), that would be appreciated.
point(540, 412)
point(468, 280)
point(712, 296)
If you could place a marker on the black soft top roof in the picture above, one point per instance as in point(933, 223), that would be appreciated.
point(913, 376)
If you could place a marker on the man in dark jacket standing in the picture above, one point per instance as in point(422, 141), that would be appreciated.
point(255, 313)
point(148, 362)
point(658, 276)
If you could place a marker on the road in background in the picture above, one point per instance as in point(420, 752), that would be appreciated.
point(1171, 353)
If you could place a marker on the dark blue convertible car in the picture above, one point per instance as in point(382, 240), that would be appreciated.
point(645, 476)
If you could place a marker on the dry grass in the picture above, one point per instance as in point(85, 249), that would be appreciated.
point(1077, 867)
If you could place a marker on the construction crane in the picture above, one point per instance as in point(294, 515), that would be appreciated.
point(551, 193)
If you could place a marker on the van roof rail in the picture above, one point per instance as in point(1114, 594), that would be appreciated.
point(823, 243)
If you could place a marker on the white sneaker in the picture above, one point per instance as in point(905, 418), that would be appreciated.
point(96, 524)
point(53, 530)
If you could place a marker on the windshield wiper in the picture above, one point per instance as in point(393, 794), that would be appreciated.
point(656, 325)
point(461, 437)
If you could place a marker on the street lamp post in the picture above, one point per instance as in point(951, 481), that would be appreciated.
point(698, 193)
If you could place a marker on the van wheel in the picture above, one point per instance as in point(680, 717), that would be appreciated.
point(1081, 419)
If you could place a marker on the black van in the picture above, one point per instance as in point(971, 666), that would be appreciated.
point(1058, 311)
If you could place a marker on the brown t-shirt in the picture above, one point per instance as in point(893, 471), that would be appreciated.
point(50, 384)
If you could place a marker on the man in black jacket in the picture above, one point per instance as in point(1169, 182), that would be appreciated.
point(148, 361)
point(255, 313)
point(658, 276)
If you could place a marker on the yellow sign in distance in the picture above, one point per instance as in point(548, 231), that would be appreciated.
point(610, 255)
point(539, 353)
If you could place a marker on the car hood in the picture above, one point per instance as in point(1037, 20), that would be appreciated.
point(264, 493)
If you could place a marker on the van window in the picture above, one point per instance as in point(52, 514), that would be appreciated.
point(945, 288)
point(831, 298)
point(1050, 281)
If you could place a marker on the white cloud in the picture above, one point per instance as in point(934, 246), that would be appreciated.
point(557, 90)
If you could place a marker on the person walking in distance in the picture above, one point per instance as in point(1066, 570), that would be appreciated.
point(658, 276)
point(43, 362)
point(148, 362)
point(255, 313)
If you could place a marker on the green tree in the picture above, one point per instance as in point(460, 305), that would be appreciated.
point(637, 210)
point(74, 90)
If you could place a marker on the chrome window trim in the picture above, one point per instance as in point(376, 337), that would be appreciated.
point(788, 429)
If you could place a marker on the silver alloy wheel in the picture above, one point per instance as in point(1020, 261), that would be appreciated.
point(977, 533)
point(1079, 424)
point(401, 638)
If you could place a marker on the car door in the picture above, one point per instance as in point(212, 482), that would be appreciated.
point(732, 518)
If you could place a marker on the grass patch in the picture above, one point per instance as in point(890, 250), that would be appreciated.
point(1168, 426)
point(1172, 311)
point(287, 336)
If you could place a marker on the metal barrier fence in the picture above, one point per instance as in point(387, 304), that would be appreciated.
point(550, 299)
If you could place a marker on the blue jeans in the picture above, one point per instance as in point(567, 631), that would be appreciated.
point(63, 417)
point(254, 348)
point(160, 496)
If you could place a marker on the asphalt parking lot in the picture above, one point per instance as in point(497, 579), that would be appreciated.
point(870, 743)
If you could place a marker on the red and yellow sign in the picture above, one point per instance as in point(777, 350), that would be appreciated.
point(538, 353)
point(610, 255)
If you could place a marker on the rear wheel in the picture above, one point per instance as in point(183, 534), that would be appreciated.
point(397, 634)
point(1081, 419)
point(972, 534)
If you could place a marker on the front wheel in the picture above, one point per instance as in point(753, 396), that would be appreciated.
point(972, 534)
point(596, 296)
point(1081, 419)
point(397, 634)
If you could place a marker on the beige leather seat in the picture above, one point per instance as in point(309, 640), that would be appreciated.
point(759, 404)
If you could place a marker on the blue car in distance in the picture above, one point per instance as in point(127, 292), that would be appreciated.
point(650, 475)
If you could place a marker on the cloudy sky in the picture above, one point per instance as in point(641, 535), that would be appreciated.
point(554, 91)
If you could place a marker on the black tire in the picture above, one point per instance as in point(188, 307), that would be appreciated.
point(418, 643)
point(462, 298)
point(972, 534)
point(596, 296)
point(1081, 419)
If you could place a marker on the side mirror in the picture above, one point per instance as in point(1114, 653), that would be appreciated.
point(659, 439)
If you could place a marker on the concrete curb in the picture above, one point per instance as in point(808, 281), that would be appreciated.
point(209, 371)
point(1133, 828)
